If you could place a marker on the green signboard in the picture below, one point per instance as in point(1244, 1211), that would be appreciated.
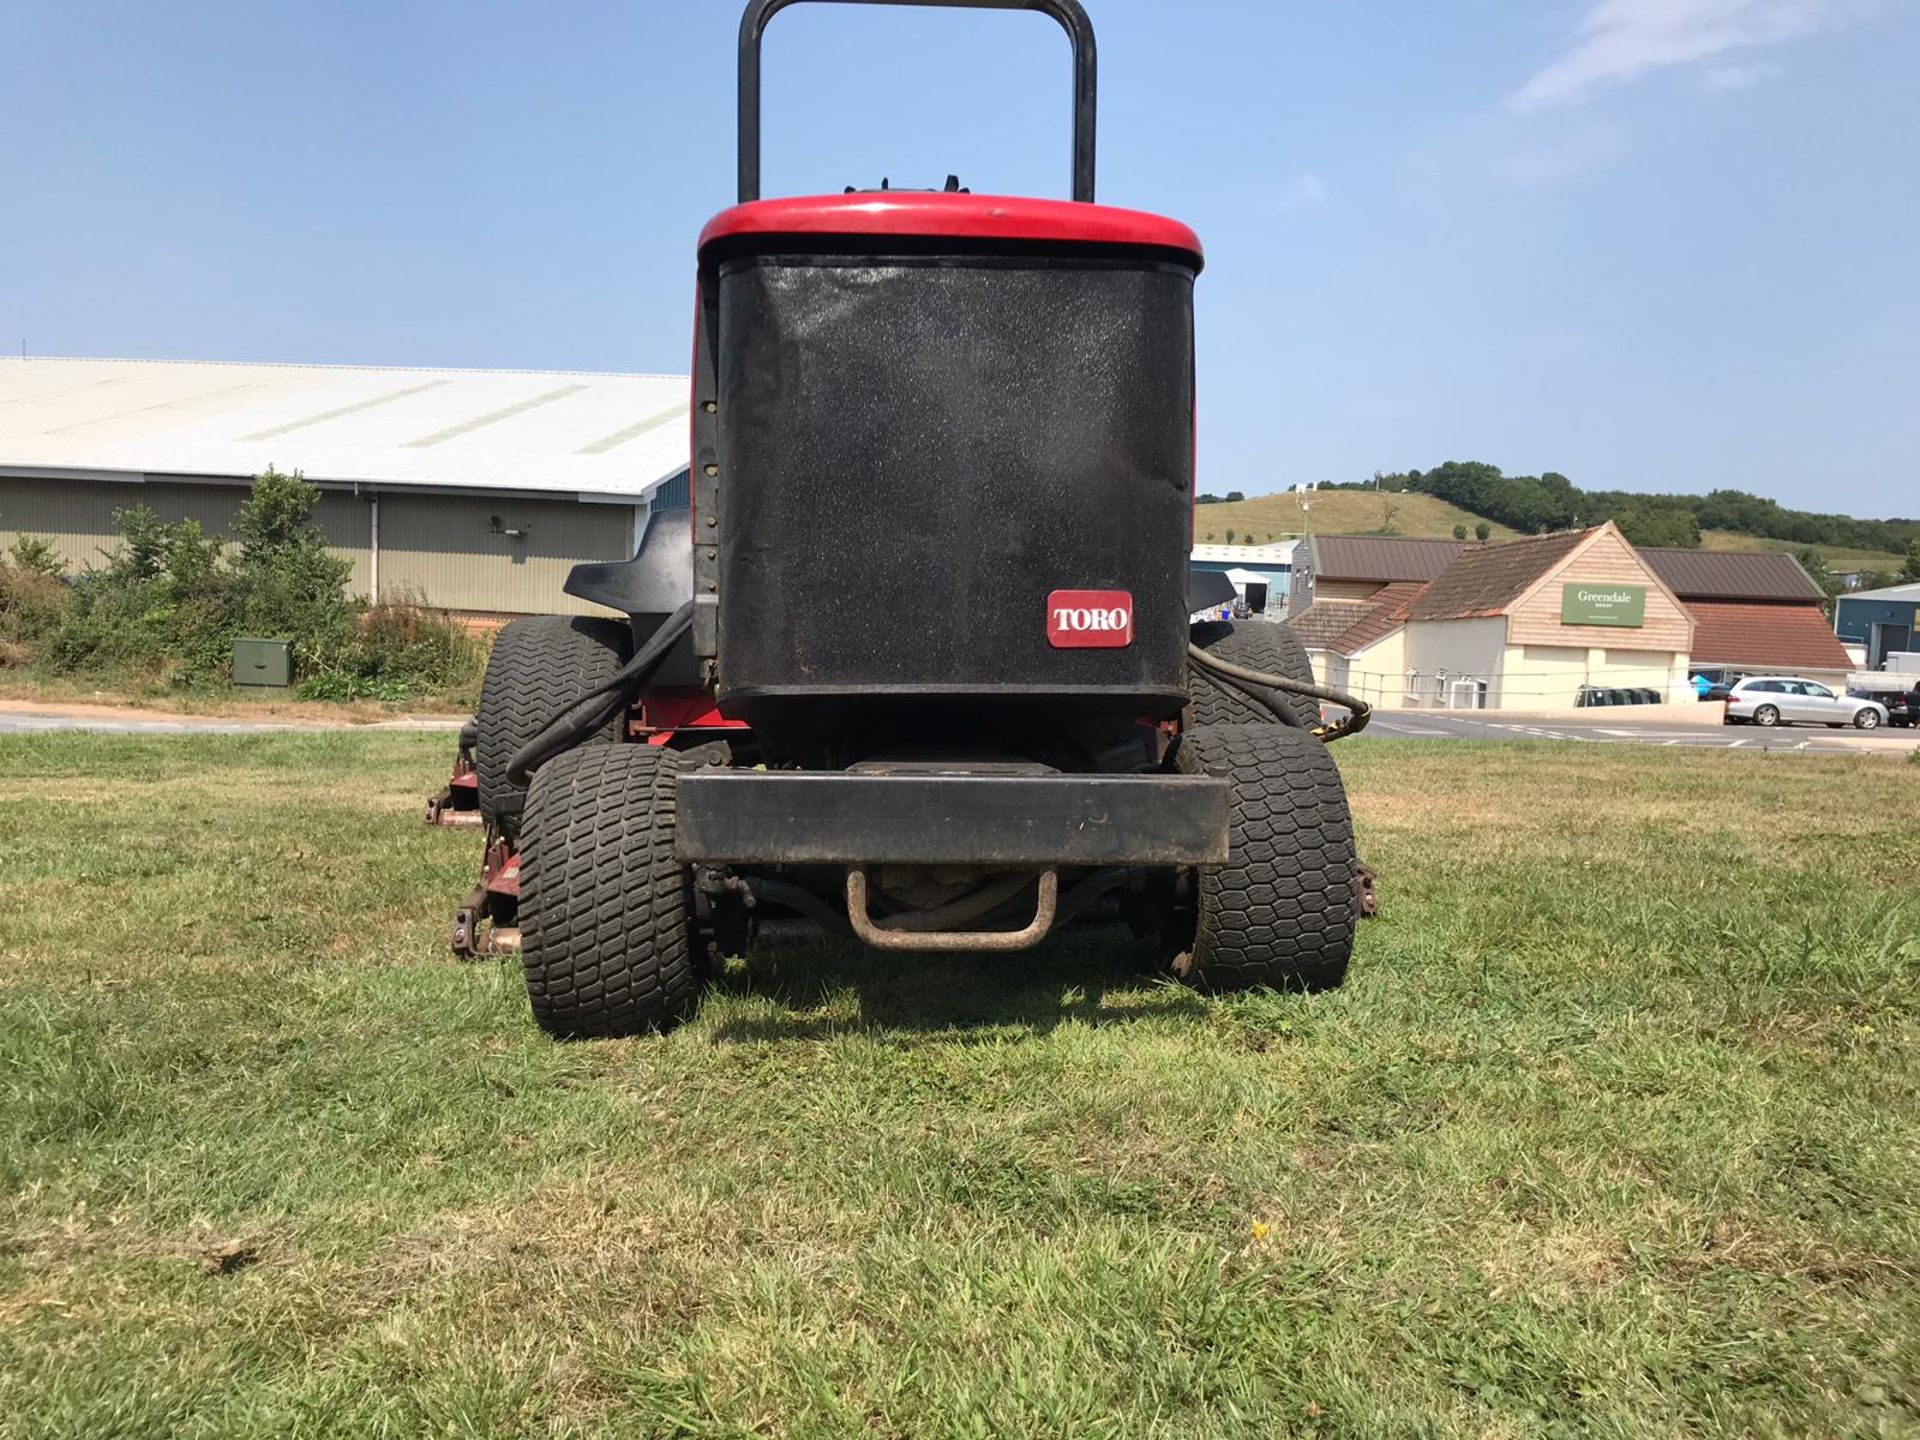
point(1589, 602)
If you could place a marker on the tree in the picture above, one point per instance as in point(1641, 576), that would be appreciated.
point(1229, 537)
point(1460, 532)
point(1911, 570)
point(290, 584)
point(36, 556)
point(1815, 564)
point(143, 545)
point(1389, 512)
point(1233, 495)
point(1673, 529)
point(1482, 532)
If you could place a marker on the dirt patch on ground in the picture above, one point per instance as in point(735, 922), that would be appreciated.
point(20, 699)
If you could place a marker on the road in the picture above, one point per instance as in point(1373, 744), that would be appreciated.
point(107, 721)
point(1796, 740)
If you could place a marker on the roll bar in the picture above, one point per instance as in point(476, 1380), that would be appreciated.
point(1073, 19)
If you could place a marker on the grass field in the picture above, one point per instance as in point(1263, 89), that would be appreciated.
point(1615, 1132)
point(1358, 512)
point(1837, 556)
point(1335, 512)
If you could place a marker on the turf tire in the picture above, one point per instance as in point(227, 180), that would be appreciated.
point(1281, 912)
point(1266, 645)
point(606, 932)
point(540, 666)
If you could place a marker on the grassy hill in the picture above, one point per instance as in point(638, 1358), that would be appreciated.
point(1335, 512)
point(1837, 556)
point(1362, 512)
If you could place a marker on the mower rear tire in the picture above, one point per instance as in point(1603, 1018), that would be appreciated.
point(540, 666)
point(606, 910)
point(1269, 646)
point(1282, 911)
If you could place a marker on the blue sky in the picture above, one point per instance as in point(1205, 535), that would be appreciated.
point(1662, 244)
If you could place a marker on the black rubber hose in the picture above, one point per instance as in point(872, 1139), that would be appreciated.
point(1086, 892)
point(1265, 699)
point(1359, 712)
point(602, 703)
point(800, 900)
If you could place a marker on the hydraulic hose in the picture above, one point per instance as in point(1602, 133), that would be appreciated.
point(1358, 711)
point(602, 703)
point(1266, 699)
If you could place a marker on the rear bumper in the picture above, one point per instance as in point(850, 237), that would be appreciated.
point(809, 817)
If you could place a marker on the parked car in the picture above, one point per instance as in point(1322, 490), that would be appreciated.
point(1791, 700)
point(1903, 704)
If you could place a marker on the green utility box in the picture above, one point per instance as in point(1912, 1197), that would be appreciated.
point(263, 662)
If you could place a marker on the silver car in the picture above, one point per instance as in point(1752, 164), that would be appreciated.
point(1792, 700)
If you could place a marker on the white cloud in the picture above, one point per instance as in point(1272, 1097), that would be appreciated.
point(1620, 40)
point(1302, 192)
point(1533, 153)
point(1554, 158)
point(1736, 77)
point(1548, 161)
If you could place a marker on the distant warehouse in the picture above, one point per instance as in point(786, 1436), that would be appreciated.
point(470, 490)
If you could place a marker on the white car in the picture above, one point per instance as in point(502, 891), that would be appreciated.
point(1792, 700)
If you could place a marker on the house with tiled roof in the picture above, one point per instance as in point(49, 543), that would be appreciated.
point(1753, 613)
point(1523, 624)
point(1355, 568)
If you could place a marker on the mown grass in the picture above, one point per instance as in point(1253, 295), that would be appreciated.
point(1614, 1132)
point(1336, 512)
point(1840, 557)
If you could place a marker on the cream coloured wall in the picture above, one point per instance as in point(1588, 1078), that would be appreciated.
point(1346, 589)
point(1546, 677)
point(1378, 674)
point(1662, 670)
point(1441, 651)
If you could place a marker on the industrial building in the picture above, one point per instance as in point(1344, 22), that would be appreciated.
point(1879, 622)
point(469, 490)
point(1260, 574)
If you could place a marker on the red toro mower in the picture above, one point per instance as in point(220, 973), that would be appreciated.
point(919, 666)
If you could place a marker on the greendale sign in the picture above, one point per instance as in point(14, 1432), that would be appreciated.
point(1587, 602)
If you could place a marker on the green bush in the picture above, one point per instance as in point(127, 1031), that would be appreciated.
point(32, 606)
point(37, 556)
point(403, 649)
point(339, 685)
point(171, 600)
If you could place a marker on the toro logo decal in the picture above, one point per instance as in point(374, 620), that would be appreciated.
point(1090, 619)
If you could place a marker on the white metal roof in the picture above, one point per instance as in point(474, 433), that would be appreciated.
point(1892, 592)
point(613, 436)
point(1278, 553)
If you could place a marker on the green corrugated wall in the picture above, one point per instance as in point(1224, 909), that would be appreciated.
point(441, 549)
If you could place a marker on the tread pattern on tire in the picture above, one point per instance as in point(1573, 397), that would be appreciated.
point(605, 910)
point(539, 667)
point(1282, 911)
point(1268, 645)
